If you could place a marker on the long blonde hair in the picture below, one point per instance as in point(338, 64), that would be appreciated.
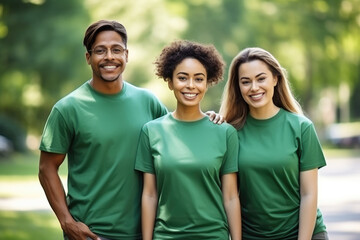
point(233, 106)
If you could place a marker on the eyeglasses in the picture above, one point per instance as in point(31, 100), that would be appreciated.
point(102, 51)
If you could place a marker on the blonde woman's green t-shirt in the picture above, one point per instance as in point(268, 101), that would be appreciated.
point(272, 154)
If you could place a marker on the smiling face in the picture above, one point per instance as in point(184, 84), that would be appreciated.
point(189, 83)
point(109, 66)
point(257, 85)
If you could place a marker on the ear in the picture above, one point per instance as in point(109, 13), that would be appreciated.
point(170, 84)
point(126, 55)
point(275, 80)
point(87, 56)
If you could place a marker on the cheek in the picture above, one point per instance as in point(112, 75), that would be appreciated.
point(243, 90)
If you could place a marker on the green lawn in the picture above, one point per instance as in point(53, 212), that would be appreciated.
point(25, 225)
point(16, 225)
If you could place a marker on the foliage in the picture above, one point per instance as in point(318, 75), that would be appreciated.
point(14, 132)
point(317, 41)
point(42, 50)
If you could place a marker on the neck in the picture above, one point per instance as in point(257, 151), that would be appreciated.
point(188, 113)
point(107, 87)
point(264, 113)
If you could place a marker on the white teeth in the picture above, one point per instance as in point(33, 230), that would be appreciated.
point(109, 67)
point(256, 96)
point(190, 95)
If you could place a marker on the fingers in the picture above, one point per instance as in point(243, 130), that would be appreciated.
point(218, 119)
point(215, 117)
point(211, 115)
point(79, 230)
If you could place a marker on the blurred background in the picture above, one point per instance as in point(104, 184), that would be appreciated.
point(42, 59)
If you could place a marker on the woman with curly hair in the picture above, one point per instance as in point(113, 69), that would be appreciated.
point(189, 164)
point(280, 153)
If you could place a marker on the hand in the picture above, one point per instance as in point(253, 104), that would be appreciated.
point(215, 117)
point(79, 231)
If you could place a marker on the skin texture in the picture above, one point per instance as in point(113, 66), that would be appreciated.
point(189, 84)
point(107, 81)
point(256, 84)
point(107, 78)
point(189, 77)
point(55, 193)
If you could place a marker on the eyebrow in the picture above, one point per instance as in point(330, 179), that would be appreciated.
point(112, 46)
point(185, 73)
point(258, 75)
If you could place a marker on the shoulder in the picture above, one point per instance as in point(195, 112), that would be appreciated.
point(140, 94)
point(227, 127)
point(298, 119)
point(224, 127)
point(134, 89)
point(73, 97)
point(158, 121)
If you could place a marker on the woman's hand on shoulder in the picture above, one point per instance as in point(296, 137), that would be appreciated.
point(215, 117)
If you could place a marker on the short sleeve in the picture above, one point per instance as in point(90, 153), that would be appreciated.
point(144, 161)
point(57, 136)
point(230, 163)
point(311, 154)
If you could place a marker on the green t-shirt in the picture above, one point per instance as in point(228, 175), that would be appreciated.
point(272, 154)
point(188, 159)
point(100, 134)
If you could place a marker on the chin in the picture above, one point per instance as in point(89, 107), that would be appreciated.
point(110, 79)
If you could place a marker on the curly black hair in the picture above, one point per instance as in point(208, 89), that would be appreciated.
point(177, 51)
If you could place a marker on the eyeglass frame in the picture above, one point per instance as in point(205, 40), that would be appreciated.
point(107, 50)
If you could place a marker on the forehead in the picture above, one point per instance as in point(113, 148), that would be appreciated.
point(190, 65)
point(253, 68)
point(108, 38)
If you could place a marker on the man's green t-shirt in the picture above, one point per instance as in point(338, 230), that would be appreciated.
point(100, 134)
point(188, 159)
point(272, 154)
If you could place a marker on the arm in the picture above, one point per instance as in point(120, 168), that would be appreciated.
point(232, 204)
point(308, 204)
point(55, 193)
point(148, 206)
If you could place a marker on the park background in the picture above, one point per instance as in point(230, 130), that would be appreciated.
point(42, 59)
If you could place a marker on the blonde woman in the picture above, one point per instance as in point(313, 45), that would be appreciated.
point(280, 153)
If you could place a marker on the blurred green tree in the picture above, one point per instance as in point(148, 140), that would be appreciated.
point(40, 56)
point(318, 42)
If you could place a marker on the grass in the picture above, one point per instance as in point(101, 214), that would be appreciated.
point(23, 167)
point(29, 225)
point(25, 225)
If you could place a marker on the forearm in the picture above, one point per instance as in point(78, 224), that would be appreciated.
point(233, 212)
point(308, 203)
point(307, 216)
point(148, 214)
point(232, 204)
point(55, 193)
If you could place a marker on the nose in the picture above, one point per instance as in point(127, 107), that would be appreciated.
point(109, 54)
point(254, 86)
point(190, 83)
